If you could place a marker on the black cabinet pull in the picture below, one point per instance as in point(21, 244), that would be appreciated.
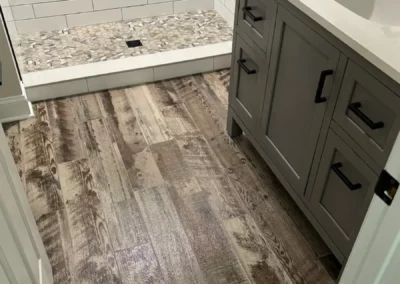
point(244, 67)
point(355, 107)
point(321, 83)
point(336, 168)
point(247, 11)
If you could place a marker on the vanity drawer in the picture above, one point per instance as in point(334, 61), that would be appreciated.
point(369, 112)
point(248, 82)
point(342, 192)
point(256, 18)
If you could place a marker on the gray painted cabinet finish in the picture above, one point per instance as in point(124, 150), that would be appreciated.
point(291, 130)
point(291, 120)
point(260, 29)
point(378, 103)
point(247, 90)
point(339, 209)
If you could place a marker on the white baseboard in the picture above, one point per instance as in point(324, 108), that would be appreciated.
point(15, 108)
point(92, 77)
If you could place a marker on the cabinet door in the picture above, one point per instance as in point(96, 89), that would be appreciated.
point(248, 82)
point(342, 193)
point(301, 76)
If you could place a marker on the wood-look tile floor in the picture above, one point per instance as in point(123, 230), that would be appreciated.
point(143, 185)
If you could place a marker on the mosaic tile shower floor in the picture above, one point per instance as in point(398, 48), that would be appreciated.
point(95, 43)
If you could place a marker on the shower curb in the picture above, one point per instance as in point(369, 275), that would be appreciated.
point(92, 77)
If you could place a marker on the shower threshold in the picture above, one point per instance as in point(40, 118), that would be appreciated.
point(92, 58)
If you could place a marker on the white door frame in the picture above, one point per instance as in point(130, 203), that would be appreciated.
point(375, 258)
point(14, 104)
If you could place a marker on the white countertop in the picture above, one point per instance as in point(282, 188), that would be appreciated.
point(379, 44)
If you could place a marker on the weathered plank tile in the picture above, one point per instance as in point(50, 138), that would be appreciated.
point(185, 87)
point(152, 123)
point(179, 120)
point(171, 162)
point(175, 255)
point(11, 129)
point(14, 143)
point(227, 152)
point(202, 113)
point(144, 172)
point(279, 195)
point(162, 93)
point(64, 129)
point(207, 237)
point(122, 123)
point(177, 117)
point(86, 107)
point(139, 265)
point(49, 226)
point(210, 94)
point(286, 241)
point(91, 256)
point(106, 169)
point(219, 82)
point(41, 173)
point(198, 156)
point(258, 259)
point(129, 144)
point(223, 196)
point(126, 225)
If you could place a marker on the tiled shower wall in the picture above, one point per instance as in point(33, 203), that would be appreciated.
point(226, 8)
point(26, 16)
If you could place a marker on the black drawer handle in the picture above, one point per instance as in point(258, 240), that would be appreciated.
point(336, 168)
point(355, 107)
point(244, 67)
point(321, 83)
point(247, 11)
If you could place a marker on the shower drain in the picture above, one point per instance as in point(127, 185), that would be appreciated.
point(134, 43)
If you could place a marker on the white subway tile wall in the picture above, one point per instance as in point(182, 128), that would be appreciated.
point(26, 16)
point(226, 8)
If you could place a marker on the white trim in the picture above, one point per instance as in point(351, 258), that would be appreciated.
point(68, 81)
point(126, 64)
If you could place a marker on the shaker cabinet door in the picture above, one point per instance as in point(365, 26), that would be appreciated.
point(301, 75)
point(248, 82)
point(342, 192)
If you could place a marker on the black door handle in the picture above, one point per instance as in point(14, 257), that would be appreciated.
point(355, 107)
point(247, 11)
point(336, 168)
point(318, 96)
point(244, 67)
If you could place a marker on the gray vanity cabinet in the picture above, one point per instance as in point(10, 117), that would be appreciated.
point(323, 118)
point(301, 76)
point(342, 192)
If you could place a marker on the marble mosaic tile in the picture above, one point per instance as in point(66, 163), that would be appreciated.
point(95, 43)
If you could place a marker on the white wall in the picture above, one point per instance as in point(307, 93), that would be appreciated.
point(25, 16)
point(226, 8)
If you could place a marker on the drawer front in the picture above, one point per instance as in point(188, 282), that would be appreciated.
point(369, 112)
point(248, 82)
point(256, 18)
point(342, 192)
